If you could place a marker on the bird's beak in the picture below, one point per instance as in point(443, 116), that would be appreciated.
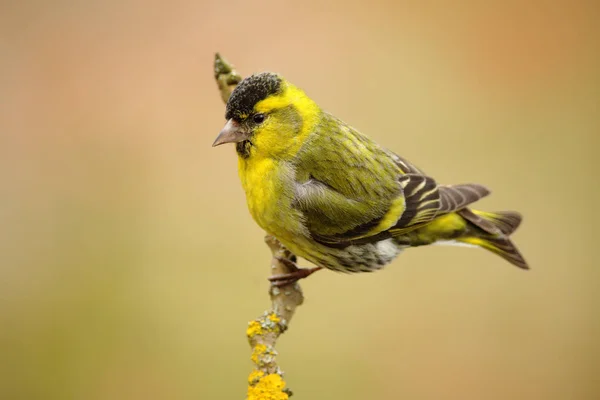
point(231, 133)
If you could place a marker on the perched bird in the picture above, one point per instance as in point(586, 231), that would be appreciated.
point(338, 199)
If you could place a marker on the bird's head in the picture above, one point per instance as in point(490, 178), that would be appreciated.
point(269, 116)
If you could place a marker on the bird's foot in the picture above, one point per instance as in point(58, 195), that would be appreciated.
point(293, 276)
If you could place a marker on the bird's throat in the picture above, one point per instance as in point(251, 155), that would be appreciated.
point(243, 148)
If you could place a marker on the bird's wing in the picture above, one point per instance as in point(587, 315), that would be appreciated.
point(405, 166)
point(349, 189)
point(346, 186)
point(426, 200)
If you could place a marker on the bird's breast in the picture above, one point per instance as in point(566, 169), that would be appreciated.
point(268, 184)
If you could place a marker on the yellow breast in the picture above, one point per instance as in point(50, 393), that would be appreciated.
point(268, 184)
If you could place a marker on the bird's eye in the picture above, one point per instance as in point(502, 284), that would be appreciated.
point(258, 118)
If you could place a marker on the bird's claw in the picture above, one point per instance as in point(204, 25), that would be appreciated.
point(290, 264)
point(293, 276)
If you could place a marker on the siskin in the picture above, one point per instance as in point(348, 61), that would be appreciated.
point(335, 197)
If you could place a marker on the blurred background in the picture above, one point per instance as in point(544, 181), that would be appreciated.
point(129, 264)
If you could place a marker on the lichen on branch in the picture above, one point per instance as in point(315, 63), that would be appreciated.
point(266, 380)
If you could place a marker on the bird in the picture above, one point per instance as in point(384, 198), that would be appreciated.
point(338, 199)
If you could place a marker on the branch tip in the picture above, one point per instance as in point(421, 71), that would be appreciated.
point(226, 76)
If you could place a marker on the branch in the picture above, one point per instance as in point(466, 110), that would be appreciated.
point(266, 380)
point(227, 77)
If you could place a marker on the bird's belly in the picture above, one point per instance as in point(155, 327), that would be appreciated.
point(356, 258)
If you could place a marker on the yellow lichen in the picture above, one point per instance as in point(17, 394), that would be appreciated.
point(258, 351)
point(254, 328)
point(255, 376)
point(274, 318)
point(268, 323)
point(268, 387)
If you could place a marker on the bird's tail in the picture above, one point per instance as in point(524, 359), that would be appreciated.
point(492, 233)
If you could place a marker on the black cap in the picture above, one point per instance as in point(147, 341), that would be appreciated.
point(250, 91)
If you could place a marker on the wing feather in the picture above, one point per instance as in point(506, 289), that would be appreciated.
point(426, 200)
point(456, 197)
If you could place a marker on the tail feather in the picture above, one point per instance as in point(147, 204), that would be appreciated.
point(501, 246)
point(487, 230)
point(506, 221)
point(492, 233)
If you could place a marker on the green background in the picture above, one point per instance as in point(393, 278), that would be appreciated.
point(129, 264)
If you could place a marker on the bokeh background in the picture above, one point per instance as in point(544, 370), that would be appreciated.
point(129, 264)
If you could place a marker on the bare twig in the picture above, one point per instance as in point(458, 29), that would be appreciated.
point(227, 77)
point(266, 380)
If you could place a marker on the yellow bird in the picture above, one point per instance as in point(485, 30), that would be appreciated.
point(338, 199)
